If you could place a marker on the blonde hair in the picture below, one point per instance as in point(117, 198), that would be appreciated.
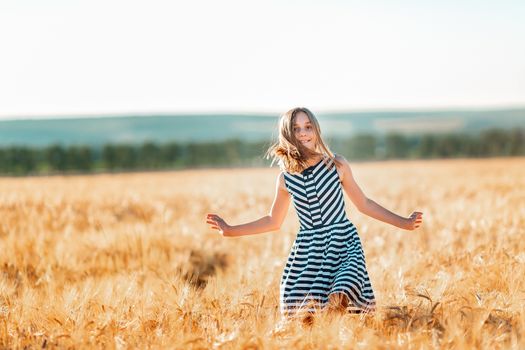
point(291, 155)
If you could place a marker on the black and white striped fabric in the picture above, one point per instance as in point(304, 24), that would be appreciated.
point(327, 255)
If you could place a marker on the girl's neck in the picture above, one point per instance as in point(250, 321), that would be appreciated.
point(314, 160)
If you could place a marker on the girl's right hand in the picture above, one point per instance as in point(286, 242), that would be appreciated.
point(218, 223)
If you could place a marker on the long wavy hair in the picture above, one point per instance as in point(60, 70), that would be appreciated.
point(291, 155)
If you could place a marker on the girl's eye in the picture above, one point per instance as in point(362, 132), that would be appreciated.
point(308, 127)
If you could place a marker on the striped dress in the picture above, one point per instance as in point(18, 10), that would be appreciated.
point(327, 255)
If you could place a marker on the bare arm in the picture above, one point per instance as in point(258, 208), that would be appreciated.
point(369, 207)
point(270, 222)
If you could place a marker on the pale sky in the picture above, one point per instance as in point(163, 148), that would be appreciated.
point(114, 57)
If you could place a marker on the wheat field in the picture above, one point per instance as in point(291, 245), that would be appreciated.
point(120, 261)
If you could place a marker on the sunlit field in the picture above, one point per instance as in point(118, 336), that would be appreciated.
point(127, 261)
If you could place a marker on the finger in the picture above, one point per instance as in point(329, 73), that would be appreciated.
point(212, 222)
point(217, 228)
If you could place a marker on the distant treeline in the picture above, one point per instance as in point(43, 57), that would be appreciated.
point(19, 160)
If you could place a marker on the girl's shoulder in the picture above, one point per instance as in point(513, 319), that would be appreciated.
point(338, 157)
point(281, 183)
point(341, 165)
point(340, 161)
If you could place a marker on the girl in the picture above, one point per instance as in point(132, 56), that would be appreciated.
point(326, 265)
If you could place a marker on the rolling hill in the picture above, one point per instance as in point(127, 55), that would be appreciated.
point(99, 130)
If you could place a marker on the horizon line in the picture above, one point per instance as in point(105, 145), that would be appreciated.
point(262, 113)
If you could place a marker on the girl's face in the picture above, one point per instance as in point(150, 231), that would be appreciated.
point(304, 131)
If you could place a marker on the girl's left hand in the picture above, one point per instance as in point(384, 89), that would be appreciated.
point(413, 221)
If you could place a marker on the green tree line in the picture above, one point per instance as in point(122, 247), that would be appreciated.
point(22, 160)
